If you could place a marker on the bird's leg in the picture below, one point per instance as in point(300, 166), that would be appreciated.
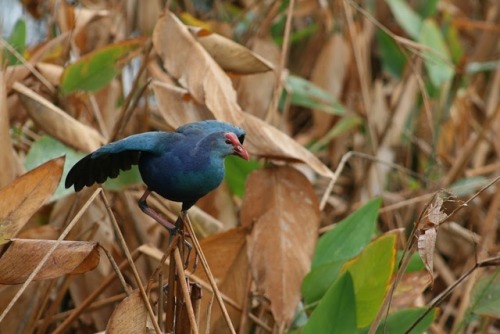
point(172, 229)
point(181, 222)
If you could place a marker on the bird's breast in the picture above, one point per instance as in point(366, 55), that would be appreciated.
point(181, 178)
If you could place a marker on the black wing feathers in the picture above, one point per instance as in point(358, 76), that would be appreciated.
point(90, 170)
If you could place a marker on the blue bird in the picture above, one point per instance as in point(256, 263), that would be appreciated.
point(181, 166)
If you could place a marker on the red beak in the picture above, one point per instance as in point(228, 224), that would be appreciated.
point(241, 152)
point(237, 148)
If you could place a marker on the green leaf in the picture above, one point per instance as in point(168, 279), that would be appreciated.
point(393, 59)
point(453, 40)
point(407, 18)
point(414, 265)
point(306, 94)
point(486, 296)
point(371, 273)
point(399, 321)
point(437, 60)
point(237, 171)
point(349, 236)
point(95, 70)
point(46, 148)
point(17, 40)
point(427, 8)
point(125, 179)
point(318, 280)
point(336, 313)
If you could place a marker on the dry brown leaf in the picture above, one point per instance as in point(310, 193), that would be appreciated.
point(177, 106)
point(7, 158)
point(283, 208)
point(435, 215)
point(147, 15)
point(226, 255)
point(187, 61)
point(23, 197)
point(15, 73)
point(230, 56)
point(129, 317)
point(428, 234)
point(23, 255)
point(426, 246)
point(13, 321)
point(57, 123)
point(46, 232)
point(255, 92)
point(51, 72)
point(53, 51)
point(267, 141)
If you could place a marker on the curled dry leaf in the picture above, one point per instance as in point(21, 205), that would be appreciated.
point(255, 92)
point(283, 208)
point(129, 317)
point(22, 198)
point(426, 246)
point(428, 234)
point(267, 141)
point(230, 56)
point(226, 255)
point(51, 72)
point(187, 61)
point(23, 255)
point(57, 123)
point(170, 97)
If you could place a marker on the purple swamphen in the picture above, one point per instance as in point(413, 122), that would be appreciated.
point(181, 166)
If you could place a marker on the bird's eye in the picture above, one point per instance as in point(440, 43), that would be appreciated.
point(228, 142)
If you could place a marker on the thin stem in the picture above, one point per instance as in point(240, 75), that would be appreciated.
point(204, 263)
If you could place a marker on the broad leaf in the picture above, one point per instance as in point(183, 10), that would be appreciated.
point(371, 272)
point(336, 313)
point(349, 236)
point(95, 70)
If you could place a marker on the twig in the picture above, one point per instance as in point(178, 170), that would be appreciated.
point(197, 247)
point(185, 292)
point(117, 271)
point(363, 76)
point(273, 106)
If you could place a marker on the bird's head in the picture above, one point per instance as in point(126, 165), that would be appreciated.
point(231, 140)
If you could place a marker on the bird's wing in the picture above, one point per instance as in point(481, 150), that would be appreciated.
point(205, 128)
point(107, 161)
